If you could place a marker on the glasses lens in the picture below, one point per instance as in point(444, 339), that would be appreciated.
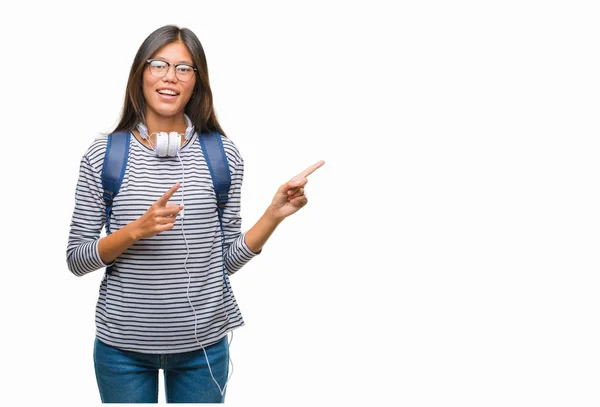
point(184, 72)
point(159, 68)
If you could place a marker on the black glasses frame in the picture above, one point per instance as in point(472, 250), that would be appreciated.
point(149, 61)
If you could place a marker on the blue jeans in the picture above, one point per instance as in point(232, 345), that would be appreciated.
point(132, 377)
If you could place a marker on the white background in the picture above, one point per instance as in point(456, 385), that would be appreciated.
point(449, 251)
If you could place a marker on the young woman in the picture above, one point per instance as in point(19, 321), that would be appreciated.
point(166, 302)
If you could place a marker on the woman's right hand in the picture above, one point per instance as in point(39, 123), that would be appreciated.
point(159, 217)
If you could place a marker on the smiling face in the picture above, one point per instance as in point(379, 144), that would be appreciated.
point(167, 97)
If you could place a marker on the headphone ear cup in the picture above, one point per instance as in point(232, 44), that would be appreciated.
point(162, 144)
point(174, 144)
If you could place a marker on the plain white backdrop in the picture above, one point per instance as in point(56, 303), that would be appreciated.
point(448, 254)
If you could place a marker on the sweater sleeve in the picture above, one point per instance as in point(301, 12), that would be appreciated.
point(237, 253)
point(87, 221)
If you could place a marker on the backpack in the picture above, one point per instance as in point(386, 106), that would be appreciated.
point(115, 162)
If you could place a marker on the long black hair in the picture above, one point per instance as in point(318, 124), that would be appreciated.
point(200, 106)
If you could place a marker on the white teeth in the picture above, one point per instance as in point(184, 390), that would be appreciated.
point(167, 92)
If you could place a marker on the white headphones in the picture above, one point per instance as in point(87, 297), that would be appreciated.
point(167, 144)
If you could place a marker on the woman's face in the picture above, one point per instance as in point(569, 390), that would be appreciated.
point(167, 96)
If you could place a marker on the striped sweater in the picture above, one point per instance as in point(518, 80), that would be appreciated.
point(144, 305)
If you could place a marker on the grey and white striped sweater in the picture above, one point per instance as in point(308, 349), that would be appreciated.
point(143, 304)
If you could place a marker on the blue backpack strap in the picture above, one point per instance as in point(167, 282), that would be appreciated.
point(216, 159)
point(113, 171)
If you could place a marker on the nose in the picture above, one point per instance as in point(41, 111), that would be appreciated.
point(170, 76)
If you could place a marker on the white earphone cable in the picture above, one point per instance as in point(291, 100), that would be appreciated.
point(221, 390)
point(150, 141)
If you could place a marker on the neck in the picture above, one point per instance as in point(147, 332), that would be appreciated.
point(156, 123)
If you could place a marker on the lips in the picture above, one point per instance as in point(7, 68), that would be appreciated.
point(167, 94)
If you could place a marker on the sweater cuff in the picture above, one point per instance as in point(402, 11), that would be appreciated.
point(246, 249)
point(99, 261)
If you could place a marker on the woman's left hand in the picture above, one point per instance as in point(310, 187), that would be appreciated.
point(290, 197)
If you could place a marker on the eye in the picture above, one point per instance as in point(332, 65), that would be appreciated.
point(159, 65)
point(185, 69)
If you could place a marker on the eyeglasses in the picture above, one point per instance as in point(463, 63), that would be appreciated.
point(158, 68)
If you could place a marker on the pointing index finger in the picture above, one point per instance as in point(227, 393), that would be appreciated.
point(311, 169)
point(167, 195)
